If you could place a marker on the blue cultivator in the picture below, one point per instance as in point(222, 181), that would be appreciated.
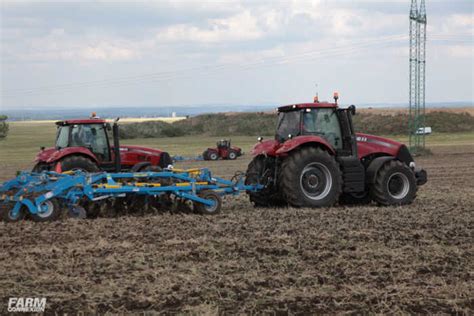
point(44, 196)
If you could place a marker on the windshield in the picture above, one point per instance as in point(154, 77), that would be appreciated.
point(288, 123)
point(323, 122)
point(62, 141)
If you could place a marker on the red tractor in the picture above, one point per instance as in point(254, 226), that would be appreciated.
point(224, 150)
point(85, 144)
point(317, 160)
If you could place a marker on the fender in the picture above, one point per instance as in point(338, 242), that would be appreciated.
point(139, 166)
point(374, 167)
point(266, 148)
point(62, 153)
point(295, 142)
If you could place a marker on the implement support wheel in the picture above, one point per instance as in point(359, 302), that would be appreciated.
point(6, 212)
point(50, 211)
point(208, 210)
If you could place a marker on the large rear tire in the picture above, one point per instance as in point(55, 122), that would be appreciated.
point(78, 163)
point(258, 172)
point(310, 177)
point(395, 184)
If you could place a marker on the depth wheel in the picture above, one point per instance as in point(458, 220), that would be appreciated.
point(208, 210)
point(6, 213)
point(311, 177)
point(50, 211)
point(395, 184)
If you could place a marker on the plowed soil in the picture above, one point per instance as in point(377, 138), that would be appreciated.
point(413, 259)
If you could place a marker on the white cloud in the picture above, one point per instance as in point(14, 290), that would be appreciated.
point(242, 26)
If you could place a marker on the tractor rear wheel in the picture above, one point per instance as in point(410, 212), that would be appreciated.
point(259, 173)
point(213, 155)
point(395, 184)
point(232, 155)
point(310, 177)
point(78, 163)
point(50, 210)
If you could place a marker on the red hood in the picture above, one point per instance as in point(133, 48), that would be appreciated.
point(139, 149)
point(371, 144)
point(52, 154)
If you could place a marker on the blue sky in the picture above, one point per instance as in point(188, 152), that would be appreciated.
point(159, 53)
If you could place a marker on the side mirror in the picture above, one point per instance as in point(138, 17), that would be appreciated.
point(116, 120)
point(352, 109)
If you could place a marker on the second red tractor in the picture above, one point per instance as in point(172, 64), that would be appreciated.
point(223, 150)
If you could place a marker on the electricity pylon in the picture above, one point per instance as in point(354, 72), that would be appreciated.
point(417, 84)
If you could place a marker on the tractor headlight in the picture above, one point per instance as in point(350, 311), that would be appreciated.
point(412, 165)
point(260, 138)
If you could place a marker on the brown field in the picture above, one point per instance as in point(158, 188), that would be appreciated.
point(413, 259)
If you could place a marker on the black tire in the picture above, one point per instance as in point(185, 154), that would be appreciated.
point(40, 167)
point(213, 155)
point(208, 210)
point(362, 198)
point(165, 160)
point(205, 155)
point(78, 163)
point(152, 169)
point(52, 212)
point(232, 155)
point(310, 177)
point(395, 184)
point(6, 215)
point(266, 197)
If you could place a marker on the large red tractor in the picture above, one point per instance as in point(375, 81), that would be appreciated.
point(223, 150)
point(317, 160)
point(85, 144)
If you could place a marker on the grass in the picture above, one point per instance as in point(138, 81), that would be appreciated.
point(25, 139)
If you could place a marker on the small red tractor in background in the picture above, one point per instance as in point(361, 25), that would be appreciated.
point(317, 160)
point(224, 150)
point(84, 144)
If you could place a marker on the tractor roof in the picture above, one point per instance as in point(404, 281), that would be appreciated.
point(292, 107)
point(81, 121)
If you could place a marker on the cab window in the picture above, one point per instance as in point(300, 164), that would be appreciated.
point(323, 122)
point(93, 137)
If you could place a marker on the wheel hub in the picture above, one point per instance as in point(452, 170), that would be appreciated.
point(398, 186)
point(316, 181)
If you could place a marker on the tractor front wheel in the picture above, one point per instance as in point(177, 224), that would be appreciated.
point(395, 184)
point(310, 177)
point(78, 163)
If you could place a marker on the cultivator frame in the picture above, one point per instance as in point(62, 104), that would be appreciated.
point(31, 191)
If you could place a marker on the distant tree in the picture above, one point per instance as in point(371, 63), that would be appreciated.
point(3, 126)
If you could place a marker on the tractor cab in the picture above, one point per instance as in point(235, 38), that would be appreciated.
point(323, 119)
point(91, 134)
point(223, 144)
